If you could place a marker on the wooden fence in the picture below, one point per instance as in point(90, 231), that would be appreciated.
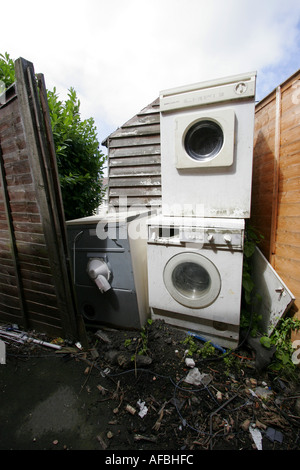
point(276, 180)
point(36, 288)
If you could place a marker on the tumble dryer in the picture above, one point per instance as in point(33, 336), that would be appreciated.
point(207, 147)
point(195, 274)
point(109, 260)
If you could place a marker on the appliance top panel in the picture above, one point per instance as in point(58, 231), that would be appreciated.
point(236, 87)
point(113, 217)
point(201, 222)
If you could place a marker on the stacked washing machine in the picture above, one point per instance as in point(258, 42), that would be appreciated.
point(195, 245)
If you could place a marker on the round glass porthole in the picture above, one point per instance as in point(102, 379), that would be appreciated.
point(192, 280)
point(204, 140)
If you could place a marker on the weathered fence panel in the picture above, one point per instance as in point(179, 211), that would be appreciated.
point(276, 180)
point(36, 288)
point(134, 173)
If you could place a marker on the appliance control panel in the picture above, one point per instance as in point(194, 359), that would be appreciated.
point(224, 237)
point(210, 237)
point(191, 235)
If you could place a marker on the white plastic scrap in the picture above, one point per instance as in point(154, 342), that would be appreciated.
point(143, 409)
point(256, 436)
point(263, 392)
point(189, 362)
point(195, 377)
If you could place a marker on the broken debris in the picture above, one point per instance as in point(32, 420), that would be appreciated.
point(274, 435)
point(190, 362)
point(195, 377)
point(256, 436)
point(15, 335)
point(143, 409)
point(180, 407)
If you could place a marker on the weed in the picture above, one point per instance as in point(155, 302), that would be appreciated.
point(207, 350)
point(142, 342)
point(127, 342)
point(281, 339)
point(232, 363)
point(193, 348)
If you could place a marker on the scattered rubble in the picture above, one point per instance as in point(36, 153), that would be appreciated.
point(156, 397)
point(12, 333)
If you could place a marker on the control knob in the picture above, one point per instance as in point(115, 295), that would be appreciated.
point(227, 238)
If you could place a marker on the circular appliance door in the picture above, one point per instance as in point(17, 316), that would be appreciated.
point(192, 280)
point(204, 140)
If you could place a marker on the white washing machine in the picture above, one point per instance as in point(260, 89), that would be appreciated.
point(195, 274)
point(207, 147)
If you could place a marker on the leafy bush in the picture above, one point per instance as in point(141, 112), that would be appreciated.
point(281, 339)
point(79, 160)
point(7, 70)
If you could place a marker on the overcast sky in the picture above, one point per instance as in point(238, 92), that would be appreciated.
point(119, 54)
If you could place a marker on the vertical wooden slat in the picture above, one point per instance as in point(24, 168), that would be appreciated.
point(52, 158)
point(275, 175)
point(57, 202)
